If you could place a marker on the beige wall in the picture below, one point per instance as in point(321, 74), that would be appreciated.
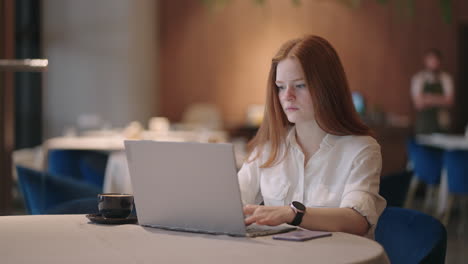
point(222, 56)
point(102, 61)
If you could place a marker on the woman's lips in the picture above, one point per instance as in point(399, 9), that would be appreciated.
point(292, 108)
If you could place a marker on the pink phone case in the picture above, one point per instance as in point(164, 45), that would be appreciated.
point(301, 235)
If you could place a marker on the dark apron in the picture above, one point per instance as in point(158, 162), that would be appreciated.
point(427, 120)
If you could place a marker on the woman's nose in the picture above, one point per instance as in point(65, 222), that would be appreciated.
point(290, 93)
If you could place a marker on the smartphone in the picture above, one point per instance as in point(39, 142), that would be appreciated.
point(301, 235)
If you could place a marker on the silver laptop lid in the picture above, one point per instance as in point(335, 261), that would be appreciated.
point(186, 186)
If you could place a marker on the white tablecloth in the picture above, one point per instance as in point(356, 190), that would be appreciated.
point(117, 179)
point(116, 141)
point(444, 141)
point(71, 239)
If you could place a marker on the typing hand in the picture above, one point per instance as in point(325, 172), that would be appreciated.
point(268, 215)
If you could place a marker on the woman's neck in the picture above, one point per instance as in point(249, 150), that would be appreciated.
point(309, 135)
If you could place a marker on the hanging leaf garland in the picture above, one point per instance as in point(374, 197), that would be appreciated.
point(446, 8)
point(405, 7)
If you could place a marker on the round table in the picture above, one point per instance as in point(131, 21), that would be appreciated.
point(73, 239)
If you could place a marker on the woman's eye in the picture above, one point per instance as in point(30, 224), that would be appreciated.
point(302, 85)
point(280, 87)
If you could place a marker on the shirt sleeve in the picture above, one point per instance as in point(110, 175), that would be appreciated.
point(361, 191)
point(249, 182)
point(447, 84)
point(416, 86)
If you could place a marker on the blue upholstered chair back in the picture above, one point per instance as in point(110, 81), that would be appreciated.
point(84, 165)
point(394, 187)
point(456, 164)
point(78, 206)
point(42, 191)
point(427, 162)
point(93, 167)
point(409, 236)
point(65, 163)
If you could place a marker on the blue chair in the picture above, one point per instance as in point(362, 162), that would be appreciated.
point(456, 165)
point(427, 165)
point(84, 165)
point(93, 167)
point(78, 206)
point(43, 191)
point(409, 236)
point(427, 162)
point(394, 187)
point(65, 163)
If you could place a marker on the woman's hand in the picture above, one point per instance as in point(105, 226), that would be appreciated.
point(268, 215)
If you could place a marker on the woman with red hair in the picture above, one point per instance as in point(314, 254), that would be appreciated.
point(313, 162)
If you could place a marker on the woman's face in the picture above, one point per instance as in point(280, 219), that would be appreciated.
point(431, 62)
point(293, 92)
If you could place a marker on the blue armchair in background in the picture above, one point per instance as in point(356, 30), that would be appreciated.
point(394, 187)
point(44, 191)
point(409, 236)
point(456, 166)
point(84, 165)
point(427, 167)
point(93, 167)
point(78, 206)
point(65, 163)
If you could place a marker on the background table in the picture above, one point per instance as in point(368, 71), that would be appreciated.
point(71, 239)
point(445, 142)
point(117, 178)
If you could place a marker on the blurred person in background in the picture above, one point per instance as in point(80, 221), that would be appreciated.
point(432, 95)
point(313, 163)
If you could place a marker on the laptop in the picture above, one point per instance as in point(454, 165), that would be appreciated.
point(189, 186)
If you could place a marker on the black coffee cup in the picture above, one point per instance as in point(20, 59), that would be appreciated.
point(115, 205)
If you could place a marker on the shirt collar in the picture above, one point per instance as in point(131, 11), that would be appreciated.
point(328, 140)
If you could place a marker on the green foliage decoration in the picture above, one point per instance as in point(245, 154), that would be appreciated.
point(406, 8)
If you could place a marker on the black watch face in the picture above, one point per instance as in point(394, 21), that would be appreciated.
point(299, 206)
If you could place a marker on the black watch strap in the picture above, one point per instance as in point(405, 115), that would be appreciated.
point(299, 209)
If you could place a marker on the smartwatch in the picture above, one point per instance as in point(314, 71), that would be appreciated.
point(299, 209)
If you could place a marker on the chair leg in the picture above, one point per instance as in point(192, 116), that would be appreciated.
point(430, 198)
point(411, 192)
point(443, 195)
point(463, 215)
point(409, 166)
point(448, 209)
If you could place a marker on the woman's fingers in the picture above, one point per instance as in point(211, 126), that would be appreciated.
point(250, 220)
point(249, 209)
point(263, 215)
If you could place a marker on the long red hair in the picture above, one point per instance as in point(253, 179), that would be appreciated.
point(329, 89)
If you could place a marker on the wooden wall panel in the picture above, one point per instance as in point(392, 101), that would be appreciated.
point(222, 55)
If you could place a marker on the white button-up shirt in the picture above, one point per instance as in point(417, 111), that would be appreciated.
point(344, 172)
